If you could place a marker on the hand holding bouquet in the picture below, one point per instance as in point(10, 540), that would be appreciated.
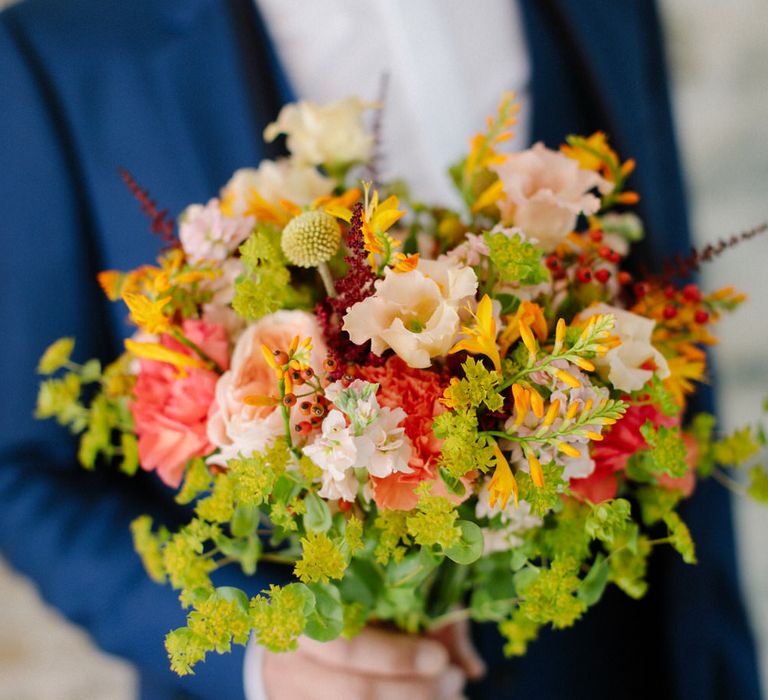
point(424, 416)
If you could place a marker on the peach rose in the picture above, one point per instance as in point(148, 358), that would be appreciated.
point(170, 412)
point(235, 427)
point(544, 192)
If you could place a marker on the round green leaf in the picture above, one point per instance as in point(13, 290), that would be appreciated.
point(326, 621)
point(469, 548)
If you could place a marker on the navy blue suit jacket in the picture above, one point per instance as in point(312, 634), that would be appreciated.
point(178, 92)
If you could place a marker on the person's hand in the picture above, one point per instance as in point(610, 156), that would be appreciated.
point(375, 665)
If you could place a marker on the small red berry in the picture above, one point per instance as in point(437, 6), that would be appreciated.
point(602, 275)
point(640, 289)
point(317, 409)
point(584, 275)
point(596, 235)
point(691, 293)
point(552, 262)
point(344, 506)
point(315, 421)
point(605, 252)
point(303, 428)
point(296, 376)
point(624, 277)
point(281, 357)
point(305, 407)
point(307, 374)
point(614, 257)
point(329, 364)
point(670, 292)
point(701, 316)
point(289, 400)
point(670, 312)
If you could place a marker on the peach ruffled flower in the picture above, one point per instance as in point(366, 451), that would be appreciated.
point(235, 427)
point(415, 313)
point(544, 192)
point(170, 412)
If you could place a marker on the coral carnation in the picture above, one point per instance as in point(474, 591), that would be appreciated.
point(170, 412)
point(417, 392)
point(612, 454)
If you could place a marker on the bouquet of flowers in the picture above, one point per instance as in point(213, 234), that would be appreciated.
point(423, 415)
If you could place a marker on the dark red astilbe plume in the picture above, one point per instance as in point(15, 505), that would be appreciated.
point(355, 286)
point(160, 223)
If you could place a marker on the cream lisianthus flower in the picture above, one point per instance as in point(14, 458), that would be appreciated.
point(627, 364)
point(544, 192)
point(275, 181)
point(415, 313)
point(332, 134)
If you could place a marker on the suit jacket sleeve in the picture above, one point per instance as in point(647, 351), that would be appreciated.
point(64, 528)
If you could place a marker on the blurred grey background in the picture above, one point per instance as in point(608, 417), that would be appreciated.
point(719, 61)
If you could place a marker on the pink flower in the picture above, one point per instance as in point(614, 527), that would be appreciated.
point(544, 192)
point(235, 427)
point(206, 234)
point(170, 412)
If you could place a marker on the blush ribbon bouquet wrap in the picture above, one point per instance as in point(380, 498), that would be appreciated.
point(424, 415)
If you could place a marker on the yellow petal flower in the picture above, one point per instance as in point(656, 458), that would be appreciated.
point(160, 353)
point(146, 314)
point(482, 338)
point(503, 483)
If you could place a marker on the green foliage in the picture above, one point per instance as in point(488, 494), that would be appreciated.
point(479, 387)
point(148, 546)
point(196, 480)
point(219, 507)
point(279, 617)
point(629, 562)
point(552, 596)
point(736, 449)
point(517, 260)
point(667, 450)
point(265, 286)
point(608, 520)
point(434, 521)
point(518, 631)
point(56, 356)
point(392, 535)
point(758, 484)
point(326, 621)
point(566, 535)
point(321, 560)
point(542, 498)
point(464, 448)
point(469, 547)
point(680, 537)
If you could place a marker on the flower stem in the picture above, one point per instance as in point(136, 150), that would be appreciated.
point(215, 366)
point(325, 275)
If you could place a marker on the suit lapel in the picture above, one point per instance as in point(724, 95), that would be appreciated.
point(600, 65)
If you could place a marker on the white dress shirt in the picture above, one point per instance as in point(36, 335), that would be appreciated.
point(447, 64)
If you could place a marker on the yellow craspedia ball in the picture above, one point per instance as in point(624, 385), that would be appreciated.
point(311, 238)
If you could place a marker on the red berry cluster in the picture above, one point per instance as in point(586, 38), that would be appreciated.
point(589, 264)
point(688, 299)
